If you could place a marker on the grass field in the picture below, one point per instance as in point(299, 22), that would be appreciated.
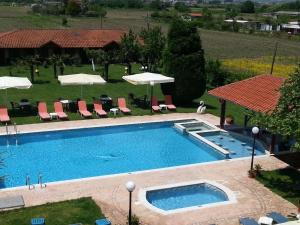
point(47, 89)
point(82, 210)
point(284, 182)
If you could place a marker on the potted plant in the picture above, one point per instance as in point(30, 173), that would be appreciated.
point(229, 119)
point(251, 173)
point(258, 169)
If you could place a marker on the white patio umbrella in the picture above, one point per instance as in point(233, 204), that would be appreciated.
point(81, 79)
point(148, 78)
point(14, 82)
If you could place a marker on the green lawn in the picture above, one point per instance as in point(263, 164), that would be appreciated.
point(82, 210)
point(284, 182)
point(47, 89)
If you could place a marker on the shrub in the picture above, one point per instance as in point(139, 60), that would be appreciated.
point(92, 14)
point(64, 21)
point(73, 8)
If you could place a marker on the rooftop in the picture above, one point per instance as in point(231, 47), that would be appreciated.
point(259, 93)
point(64, 38)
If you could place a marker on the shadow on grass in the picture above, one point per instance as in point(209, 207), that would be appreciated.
point(284, 182)
point(114, 81)
point(41, 82)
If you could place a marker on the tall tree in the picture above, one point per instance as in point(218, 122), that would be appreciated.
point(184, 60)
point(129, 49)
point(152, 49)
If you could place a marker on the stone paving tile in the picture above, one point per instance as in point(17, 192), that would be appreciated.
point(109, 192)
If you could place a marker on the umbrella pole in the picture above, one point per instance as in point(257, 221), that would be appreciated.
point(6, 97)
point(151, 94)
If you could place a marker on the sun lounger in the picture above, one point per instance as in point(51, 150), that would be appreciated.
point(43, 113)
point(155, 106)
point(248, 221)
point(98, 109)
point(102, 222)
point(4, 117)
point(122, 105)
point(277, 217)
point(58, 108)
point(38, 221)
point(83, 109)
point(169, 102)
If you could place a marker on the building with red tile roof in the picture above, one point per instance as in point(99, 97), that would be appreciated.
point(259, 93)
point(45, 42)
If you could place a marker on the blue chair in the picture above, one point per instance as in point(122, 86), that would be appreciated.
point(102, 222)
point(248, 221)
point(277, 217)
point(38, 221)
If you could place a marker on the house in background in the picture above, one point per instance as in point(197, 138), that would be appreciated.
point(291, 27)
point(46, 42)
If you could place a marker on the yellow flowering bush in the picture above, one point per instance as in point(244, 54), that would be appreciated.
point(283, 66)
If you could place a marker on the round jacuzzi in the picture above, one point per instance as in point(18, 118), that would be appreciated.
point(186, 196)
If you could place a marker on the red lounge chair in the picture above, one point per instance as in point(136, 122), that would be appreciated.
point(122, 105)
point(58, 108)
point(155, 106)
point(83, 110)
point(4, 117)
point(169, 102)
point(98, 109)
point(43, 113)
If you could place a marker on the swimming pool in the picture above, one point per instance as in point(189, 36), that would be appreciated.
point(238, 145)
point(82, 153)
point(186, 196)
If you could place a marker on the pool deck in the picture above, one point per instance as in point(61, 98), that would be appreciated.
point(109, 192)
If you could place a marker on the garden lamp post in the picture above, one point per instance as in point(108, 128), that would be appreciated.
point(255, 131)
point(130, 186)
point(151, 94)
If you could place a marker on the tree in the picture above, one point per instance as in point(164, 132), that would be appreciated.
point(181, 7)
point(216, 75)
point(231, 12)
point(73, 8)
point(247, 7)
point(102, 13)
point(284, 119)
point(129, 49)
point(152, 49)
point(30, 61)
point(184, 60)
point(58, 61)
point(102, 57)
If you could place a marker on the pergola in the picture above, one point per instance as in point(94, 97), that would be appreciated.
point(258, 94)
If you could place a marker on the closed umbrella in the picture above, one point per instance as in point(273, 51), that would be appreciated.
point(150, 79)
point(81, 79)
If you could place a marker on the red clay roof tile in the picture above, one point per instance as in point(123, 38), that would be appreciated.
point(259, 93)
point(64, 38)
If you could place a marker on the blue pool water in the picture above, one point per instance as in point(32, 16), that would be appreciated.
point(185, 196)
point(238, 145)
point(81, 153)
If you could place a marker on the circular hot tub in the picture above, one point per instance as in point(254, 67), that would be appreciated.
point(186, 196)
